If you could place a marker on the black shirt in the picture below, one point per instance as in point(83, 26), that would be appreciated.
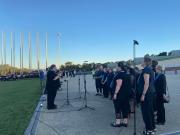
point(160, 84)
point(105, 74)
point(99, 75)
point(140, 82)
point(110, 78)
point(123, 93)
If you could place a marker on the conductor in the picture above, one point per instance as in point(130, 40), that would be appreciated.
point(52, 85)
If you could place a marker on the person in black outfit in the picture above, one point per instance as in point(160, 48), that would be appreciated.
point(146, 88)
point(137, 75)
point(98, 79)
point(131, 76)
point(120, 98)
point(104, 83)
point(154, 64)
point(109, 80)
point(52, 85)
point(160, 85)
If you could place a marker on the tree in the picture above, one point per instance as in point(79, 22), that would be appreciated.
point(6, 69)
point(162, 54)
point(68, 63)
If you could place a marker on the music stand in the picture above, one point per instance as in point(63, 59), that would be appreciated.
point(79, 87)
point(85, 97)
point(67, 95)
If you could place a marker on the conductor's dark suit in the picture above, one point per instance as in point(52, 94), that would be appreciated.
point(51, 87)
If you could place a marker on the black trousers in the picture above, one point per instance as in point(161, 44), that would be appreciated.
point(98, 86)
point(121, 108)
point(155, 102)
point(51, 94)
point(160, 110)
point(105, 91)
point(147, 109)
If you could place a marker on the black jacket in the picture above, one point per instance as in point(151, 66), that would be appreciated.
point(51, 83)
point(160, 84)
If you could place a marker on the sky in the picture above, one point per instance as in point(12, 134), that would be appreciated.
point(92, 30)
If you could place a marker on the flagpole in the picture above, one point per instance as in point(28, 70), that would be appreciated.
point(22, 50)
point(134, 52)
point(2, 50)
point(11, 49)
point(37, 49)
point(59, 36)
point(14, 47)
point(46, 50)
point(4, 42)
point(1, 53)
point(29, 45)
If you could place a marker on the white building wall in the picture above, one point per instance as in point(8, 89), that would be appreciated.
point(170, 63)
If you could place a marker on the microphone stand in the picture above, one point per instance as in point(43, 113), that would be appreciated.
point(85, 97)
point(79, 84)
point(67, 95)
point(79, 88)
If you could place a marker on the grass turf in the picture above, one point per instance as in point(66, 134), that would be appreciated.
point(18, 100)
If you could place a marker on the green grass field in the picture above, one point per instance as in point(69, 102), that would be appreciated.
point(18, 99)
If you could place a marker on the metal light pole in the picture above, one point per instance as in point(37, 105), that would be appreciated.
point(1, 54)
point(30, 53)
point(14, 47)
point(22, 49)
point(4, 44)
point(37, 49)
point(134, 63)
point(20, 52)
point(59, 38)
point(11, 44)
point(46, 50)
point(2, 49)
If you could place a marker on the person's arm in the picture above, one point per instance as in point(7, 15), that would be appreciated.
point(146, 86)
point(96, 76)
point(57, 76)
point(105, 80)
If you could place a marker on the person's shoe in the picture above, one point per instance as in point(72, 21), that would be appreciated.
point(55, 106)
point(148, 133)
point(160, 123)
point(114, 124)
point(155, 130)
point(51, 108)
point(100, 94)
point(97, 94)
point(124, 124)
